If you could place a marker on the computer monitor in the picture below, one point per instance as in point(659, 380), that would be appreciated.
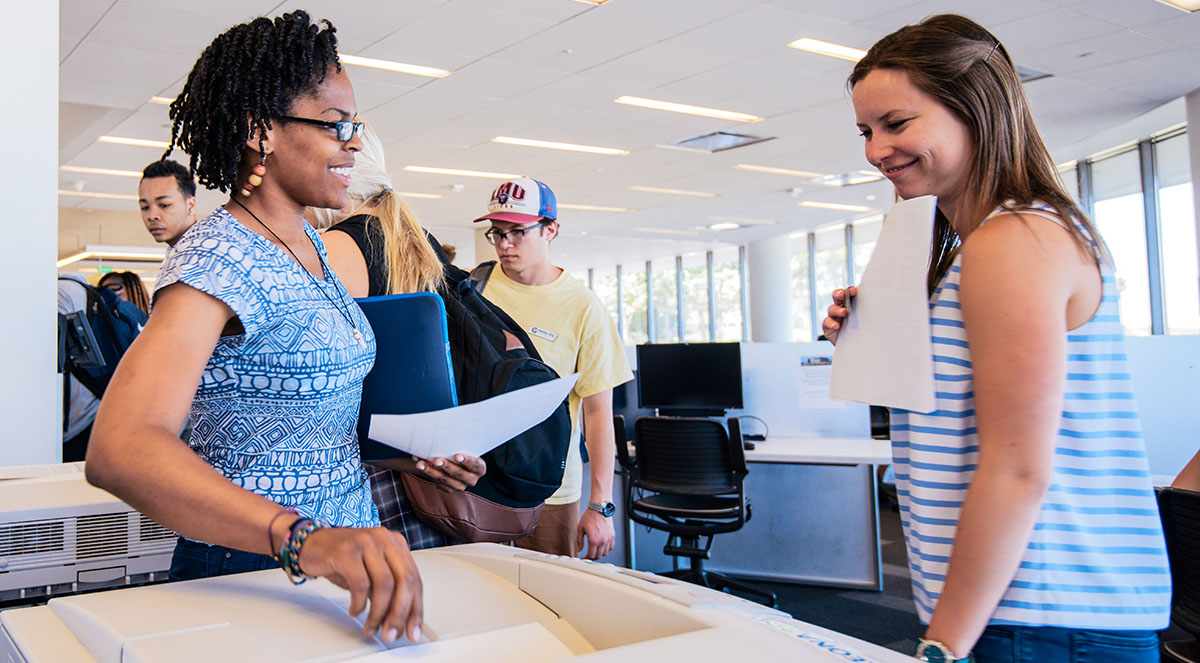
point(690, 379)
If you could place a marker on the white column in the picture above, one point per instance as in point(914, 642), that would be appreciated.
point(30, 407)
point(1193, 139)
point(483, 251)
point(769, 277)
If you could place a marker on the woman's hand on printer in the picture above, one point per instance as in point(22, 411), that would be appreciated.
point(375, 565)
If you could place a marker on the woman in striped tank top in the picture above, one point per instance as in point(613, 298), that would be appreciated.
point(1031, 524)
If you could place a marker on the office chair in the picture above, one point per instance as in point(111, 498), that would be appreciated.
point(1180, 511)
point(687, 477)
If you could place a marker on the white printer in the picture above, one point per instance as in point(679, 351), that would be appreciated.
point(483, 602)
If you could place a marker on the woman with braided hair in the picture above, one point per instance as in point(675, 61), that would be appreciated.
point(129, 287)
point(257, 342)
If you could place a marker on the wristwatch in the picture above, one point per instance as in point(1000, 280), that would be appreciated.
point(606, 509)
point(932, 651)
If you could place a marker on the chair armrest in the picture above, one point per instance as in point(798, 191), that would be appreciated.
point(622, 442)
point(737, 454)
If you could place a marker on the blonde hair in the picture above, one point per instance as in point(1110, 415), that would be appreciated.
point(412, 265)
point(962, 65)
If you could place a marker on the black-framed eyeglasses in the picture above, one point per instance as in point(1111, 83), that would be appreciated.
point(515, 236)
point(346, 129)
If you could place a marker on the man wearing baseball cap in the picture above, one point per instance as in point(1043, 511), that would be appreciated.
point(574, 334)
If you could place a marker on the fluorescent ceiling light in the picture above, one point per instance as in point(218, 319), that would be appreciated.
point(465, 173)
point(1183, 5)
point(592, 2)
point(414, 69)
point(724, 226)
point(687, 110)
point(673, 192)
point(830, 227)
point(115, 255)
point(840, 207)
point(165, 101)
point(1113, 151)
point(849, 179)
point(744, 220)
point(595, 208)
point(828, 48)
point(1065, 166)
point(777, 171)
point(99, 171)
point(667, 231)
point(429, 196)
point(551, 145)
point(136, 142)
point(98, 194)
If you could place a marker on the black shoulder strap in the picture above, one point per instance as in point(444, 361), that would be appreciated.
point(480, 275)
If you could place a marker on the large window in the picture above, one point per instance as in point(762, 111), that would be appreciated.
point(633, 303)
point(1120, 216)
point(866, 236)
point(604, 284)
point(695, 297)
point(830, 261)
point(1181, 298)
point(802, 322)
point(727, 294)
point(666, 300)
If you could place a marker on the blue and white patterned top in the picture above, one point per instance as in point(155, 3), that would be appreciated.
point(1096, 558)
point(277, 406)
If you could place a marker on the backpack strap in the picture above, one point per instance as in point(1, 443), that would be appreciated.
point(479, 276)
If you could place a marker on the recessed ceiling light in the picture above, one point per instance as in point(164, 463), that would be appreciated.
point(724, 226)
point(772, 170)
point(744, 220)
point(99, 171)
point(414, 69)
point(673, 192)
point(1183, 5)
point(687, 109)
point(551, 145)
point(430, 196)
point(667, 231)
point(164, 101)
point(840, 207)
point(136, 142)
point(465, 173)
point(595, 208)
point(828, 48)
point(98, 194)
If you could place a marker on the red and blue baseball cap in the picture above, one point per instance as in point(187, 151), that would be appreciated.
point(524, 201)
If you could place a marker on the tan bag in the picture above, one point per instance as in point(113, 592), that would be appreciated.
point(466, 516)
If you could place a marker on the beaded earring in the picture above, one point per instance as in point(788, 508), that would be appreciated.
point(256, 176)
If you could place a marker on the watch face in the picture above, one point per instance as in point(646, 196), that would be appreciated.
point(609, 509)
point(931, 653)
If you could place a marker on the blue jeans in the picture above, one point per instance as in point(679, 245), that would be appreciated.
point(1027, 644)
point(194, 560)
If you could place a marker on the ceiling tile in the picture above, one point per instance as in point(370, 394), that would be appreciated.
point(353, 19)
point(77, 17)
point(1181, 29)
point(455, 27)
point(1116, 46)
point(1126, 13)
point(1058, 26)
point(985, 13)
point(1145, 77)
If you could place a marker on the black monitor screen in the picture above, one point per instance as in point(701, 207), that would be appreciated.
point(699, 378)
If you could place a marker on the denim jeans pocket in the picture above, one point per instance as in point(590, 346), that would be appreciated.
point(996, 645)
point(1114, 647)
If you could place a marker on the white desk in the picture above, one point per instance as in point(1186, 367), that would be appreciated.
point(815, 516)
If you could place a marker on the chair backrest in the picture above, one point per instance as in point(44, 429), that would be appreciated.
point(1181, 524)
point(687, 456)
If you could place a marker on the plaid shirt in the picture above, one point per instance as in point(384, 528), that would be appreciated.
point(396, 513)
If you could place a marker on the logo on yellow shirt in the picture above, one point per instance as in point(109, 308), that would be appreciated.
point(543, 333)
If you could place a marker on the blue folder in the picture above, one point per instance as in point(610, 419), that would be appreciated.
point(412, 371)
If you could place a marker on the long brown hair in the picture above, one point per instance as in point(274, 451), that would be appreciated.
point(962, 65)
point(134, 288)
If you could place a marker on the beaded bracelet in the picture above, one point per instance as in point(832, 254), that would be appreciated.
point(289, 553)
point(270, 540)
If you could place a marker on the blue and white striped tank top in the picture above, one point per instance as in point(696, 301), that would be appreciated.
point(1096, 559)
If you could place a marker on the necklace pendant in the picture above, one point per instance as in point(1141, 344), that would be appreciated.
point(362, 343)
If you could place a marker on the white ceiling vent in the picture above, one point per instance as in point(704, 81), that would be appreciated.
point(717, 141)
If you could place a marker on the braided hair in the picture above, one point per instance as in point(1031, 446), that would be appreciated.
point(253, 70)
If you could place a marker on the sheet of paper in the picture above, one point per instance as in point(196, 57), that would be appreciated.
point(813, 383)
point(474, 428)
point(884, 355)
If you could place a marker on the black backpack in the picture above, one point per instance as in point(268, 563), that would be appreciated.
point(527, 469)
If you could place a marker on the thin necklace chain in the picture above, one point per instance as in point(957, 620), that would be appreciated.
point(340, 306)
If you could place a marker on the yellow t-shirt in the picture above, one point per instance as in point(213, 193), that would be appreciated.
point(574, 333)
